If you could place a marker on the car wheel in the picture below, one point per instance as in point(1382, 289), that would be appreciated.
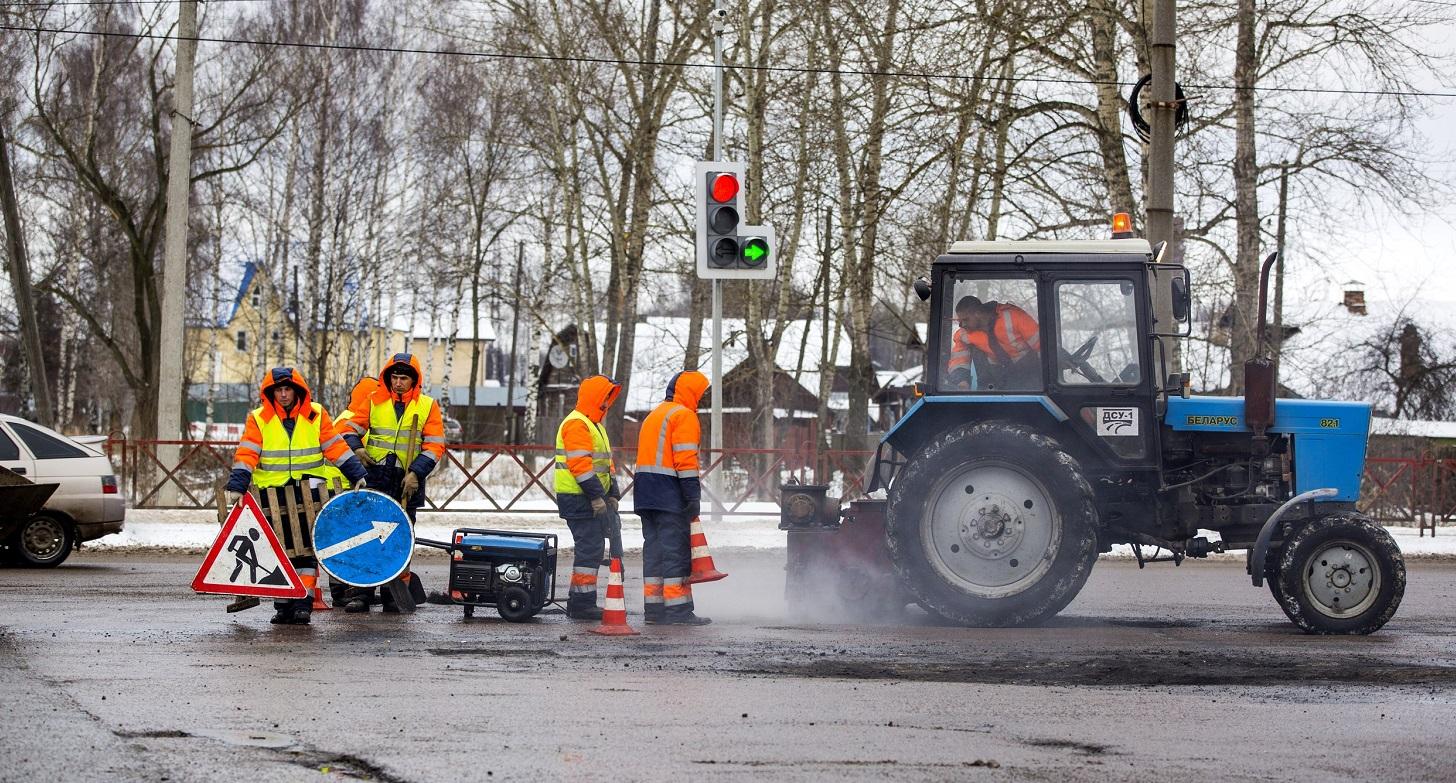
point(43, 541)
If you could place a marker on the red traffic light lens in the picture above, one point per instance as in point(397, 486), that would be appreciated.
point(725, 188)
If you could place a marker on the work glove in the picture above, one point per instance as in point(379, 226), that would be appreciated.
point(613, 502)
point(411, 485)
point(361, 484)
point(363, 455)
point(598, 506)
point(232, 497)
point(695, 510)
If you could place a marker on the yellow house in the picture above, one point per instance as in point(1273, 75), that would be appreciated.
point(225, 359)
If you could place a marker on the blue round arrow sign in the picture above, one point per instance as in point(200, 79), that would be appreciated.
point(363, 538)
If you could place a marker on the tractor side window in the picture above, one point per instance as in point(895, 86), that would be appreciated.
point(990, 335)
point(1097, 340)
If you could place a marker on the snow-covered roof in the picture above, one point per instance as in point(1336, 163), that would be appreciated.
point(661, 345)
point(425, 320)
point(1054, 246)
point(1413, 428)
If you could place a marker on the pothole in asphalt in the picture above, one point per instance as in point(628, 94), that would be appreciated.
point(1114, 670)
point(254, 739)
point(492, 652)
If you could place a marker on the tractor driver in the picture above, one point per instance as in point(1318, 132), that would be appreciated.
point(996, 346)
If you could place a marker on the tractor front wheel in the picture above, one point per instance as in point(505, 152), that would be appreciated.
point(992, 524)
point(1340, 574)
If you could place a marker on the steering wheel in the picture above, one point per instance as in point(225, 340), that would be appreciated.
point(1077, 360)
point(1080, 355)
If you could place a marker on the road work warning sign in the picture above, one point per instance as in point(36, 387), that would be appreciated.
point(246, 558)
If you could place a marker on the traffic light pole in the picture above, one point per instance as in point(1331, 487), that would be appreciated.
point(715, 442)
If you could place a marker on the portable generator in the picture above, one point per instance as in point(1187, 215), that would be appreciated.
point(514, 572)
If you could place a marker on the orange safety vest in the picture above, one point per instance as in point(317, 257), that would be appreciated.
point(1016, 333)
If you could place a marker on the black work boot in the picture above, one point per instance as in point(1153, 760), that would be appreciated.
point(583, 613)
point(282, 613)
point(687, 618)
point(292, 612)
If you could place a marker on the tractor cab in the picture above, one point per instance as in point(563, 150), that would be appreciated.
point(1059, 329)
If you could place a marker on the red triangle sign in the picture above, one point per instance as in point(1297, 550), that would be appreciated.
point(246, 558)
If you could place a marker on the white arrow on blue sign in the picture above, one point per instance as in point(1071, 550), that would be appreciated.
point(363, 538)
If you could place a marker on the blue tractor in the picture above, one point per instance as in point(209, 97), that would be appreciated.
point(1050, 427)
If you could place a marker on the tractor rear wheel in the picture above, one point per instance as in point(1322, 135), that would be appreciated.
point(992, 524)
point(1341, 574)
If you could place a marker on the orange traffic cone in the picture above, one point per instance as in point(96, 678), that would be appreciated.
point(318, 595)
point(703, 568)
point(614, 616)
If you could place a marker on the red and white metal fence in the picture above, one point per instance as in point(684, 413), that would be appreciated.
point(494, 478)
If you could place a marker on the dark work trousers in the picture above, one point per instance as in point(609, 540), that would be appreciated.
point(388, 477)
point(666, 561)
point(588, 536)
point(306, 565)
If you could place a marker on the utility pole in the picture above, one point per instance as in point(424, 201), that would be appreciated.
point(515, 328)
point(715, 442)
point(20, 286)
point(174, 270)
point(1276, 340)
point(1161, 118)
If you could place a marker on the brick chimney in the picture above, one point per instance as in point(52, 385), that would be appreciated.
point(1410, 355)
point(1355, 297)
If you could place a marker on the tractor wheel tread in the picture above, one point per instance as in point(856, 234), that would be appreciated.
point(1305, 541)
point(1065, 481)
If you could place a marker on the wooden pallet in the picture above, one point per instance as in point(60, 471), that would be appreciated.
point(290, 513)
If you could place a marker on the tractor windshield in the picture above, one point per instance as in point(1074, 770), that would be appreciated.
point(990, 337)
point(1097, 332)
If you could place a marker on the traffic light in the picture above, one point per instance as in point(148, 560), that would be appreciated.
point(727, 247)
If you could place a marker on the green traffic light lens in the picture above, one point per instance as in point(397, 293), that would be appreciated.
point(755, 251)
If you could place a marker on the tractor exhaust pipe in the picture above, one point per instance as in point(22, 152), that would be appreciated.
point(1260, 385)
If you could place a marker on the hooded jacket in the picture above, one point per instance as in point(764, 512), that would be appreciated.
point(584, 464)
point(667, 474)
point(255, 453)
point(385, 419)
point(358, 398)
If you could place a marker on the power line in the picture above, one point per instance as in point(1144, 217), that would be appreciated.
point(803, 70)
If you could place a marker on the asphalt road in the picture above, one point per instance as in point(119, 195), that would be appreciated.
point(111, 669)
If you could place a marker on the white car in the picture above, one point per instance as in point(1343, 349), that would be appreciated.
point(86, 505)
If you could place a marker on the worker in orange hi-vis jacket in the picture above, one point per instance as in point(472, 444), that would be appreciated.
point(290, 442)
point(586, 492)
point(667, 494)
point(403, 439)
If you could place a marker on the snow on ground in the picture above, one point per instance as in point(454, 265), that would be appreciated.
point(196, 529)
